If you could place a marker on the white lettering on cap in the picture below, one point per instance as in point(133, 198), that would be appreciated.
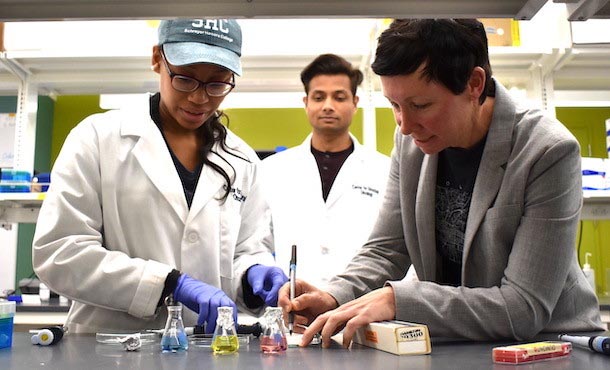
point(212, 24)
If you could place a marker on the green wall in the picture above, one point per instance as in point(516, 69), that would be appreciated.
point(267, 128)
point(386, 125)
point(262, 128)
point(8, 104)
point(69, 111)
point(588, 125)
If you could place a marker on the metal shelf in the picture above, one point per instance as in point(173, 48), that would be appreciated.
point(580, 10)
point(596, 205)
point(19, 208)
point(156, 9)
point(55, 74)
point(24, 207)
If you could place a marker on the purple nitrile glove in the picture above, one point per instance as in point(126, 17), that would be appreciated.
point(266, 281)
point(203, 299)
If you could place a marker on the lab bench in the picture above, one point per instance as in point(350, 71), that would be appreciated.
point(78, 351)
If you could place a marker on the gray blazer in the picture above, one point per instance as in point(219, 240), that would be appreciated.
point(520, 275)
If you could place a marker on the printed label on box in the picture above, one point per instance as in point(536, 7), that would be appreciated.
point(540, 348)
point(409, 334)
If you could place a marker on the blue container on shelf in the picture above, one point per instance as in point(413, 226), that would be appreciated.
point(7, 312)
point(43, 180)
point(15, 181)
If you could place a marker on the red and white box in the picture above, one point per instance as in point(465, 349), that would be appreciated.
point(530, 352)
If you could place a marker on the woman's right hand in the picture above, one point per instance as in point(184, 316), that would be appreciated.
point(203, 299)
point(309, 302)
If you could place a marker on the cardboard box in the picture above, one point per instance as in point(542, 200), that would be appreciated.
point(397, 337)
point(2, 36)
point(501, 31)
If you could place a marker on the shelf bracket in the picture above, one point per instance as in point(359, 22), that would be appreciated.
point(369, 120)
point(27, 109)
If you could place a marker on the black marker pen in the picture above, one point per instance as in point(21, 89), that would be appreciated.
point(293, 278)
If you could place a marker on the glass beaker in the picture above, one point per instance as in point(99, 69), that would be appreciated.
point(174, 337)
point(273, 339)
point(225, 336)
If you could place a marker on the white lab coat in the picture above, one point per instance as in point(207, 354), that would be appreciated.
point(115, 222)
point(327, 234)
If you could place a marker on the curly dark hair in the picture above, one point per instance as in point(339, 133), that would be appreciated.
point(449, 48)
point(212, 131)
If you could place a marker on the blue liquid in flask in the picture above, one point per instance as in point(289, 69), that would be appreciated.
point(174, 337)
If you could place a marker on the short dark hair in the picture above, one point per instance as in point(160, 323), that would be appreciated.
point(450, 48)
point(331, 64)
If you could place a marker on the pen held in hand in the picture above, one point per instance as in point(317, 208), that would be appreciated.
point(293, 278)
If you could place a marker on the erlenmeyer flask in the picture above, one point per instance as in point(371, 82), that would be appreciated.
point(174, 337)
point(274, 335)
point(225, 336)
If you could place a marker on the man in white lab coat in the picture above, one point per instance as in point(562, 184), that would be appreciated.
point(325, 193)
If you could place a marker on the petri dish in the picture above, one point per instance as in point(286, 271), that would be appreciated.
point(116, 338)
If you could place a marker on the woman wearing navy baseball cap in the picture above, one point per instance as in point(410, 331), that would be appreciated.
point(160, 199)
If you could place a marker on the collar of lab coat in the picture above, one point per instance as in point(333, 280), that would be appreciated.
point(346, 173)
point(152, 153)
point(305, 146)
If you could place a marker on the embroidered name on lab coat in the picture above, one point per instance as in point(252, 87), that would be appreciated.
point(365, 190)
point(237, 195)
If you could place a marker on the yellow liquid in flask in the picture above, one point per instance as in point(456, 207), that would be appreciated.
point(225, 344)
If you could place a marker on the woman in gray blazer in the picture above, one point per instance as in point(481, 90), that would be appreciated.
point(483, 198)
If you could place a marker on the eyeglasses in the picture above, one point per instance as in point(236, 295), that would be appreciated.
point(190, 84)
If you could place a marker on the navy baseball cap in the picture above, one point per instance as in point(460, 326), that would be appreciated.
point(190, 41)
